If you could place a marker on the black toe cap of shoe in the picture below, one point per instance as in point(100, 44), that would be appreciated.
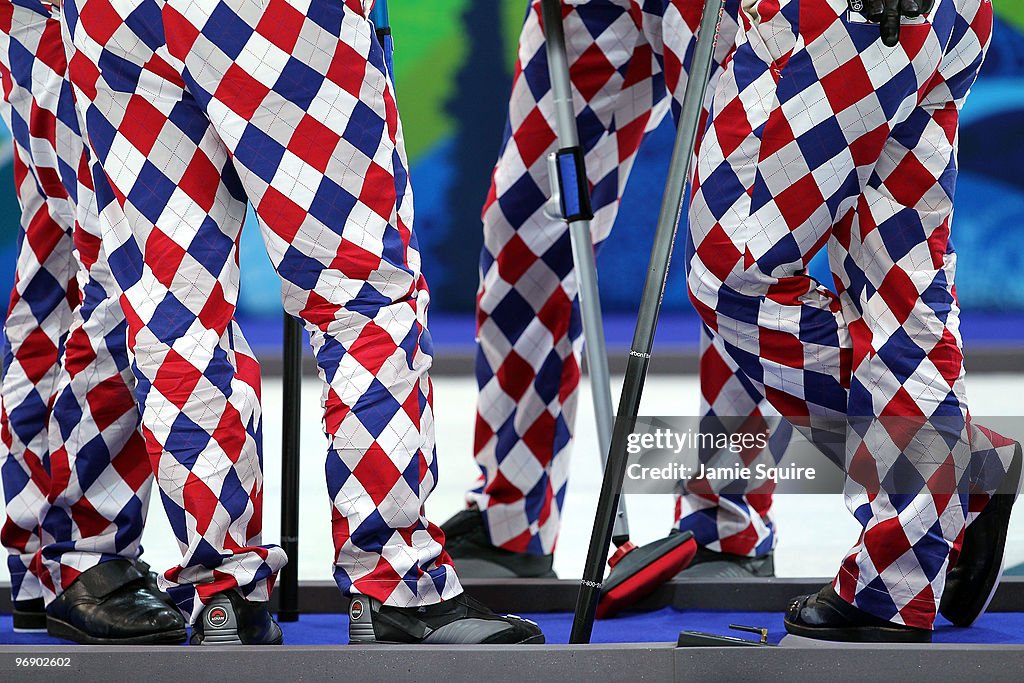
point(112, 604)
point(826, 616)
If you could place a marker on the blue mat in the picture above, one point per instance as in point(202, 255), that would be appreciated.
point(652, 627)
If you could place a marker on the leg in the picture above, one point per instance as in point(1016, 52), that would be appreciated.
point(796, 340)
point(336, 213)
point(529, 329)
point(101, 476)
point(900, 239)
point(728, 526)
point(734, 524)
point(101, 473)
point(528, 326)
point(91, 437)
point(171, 219)
point(45, 292)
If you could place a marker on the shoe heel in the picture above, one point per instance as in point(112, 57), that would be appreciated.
point(220, 623)
point(222, 637)
point(28, 623)
point(29, 616)
point(360, 624)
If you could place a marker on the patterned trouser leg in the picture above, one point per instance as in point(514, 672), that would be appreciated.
point(45, 291)
point(99, 486)
point(740, 524)
point(821, 135)
point(192, 108)
point(529, 329)
point(32, 66)
point(101, 476)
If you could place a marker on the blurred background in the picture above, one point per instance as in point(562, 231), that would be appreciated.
point(454, 62)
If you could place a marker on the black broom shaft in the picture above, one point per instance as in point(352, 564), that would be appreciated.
point(647, 320)
point(292, 380)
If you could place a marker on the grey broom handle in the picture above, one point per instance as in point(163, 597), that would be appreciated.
point(582, 249)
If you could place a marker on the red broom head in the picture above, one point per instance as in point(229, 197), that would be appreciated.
point(639, 571)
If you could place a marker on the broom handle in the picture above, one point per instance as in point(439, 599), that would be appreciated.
point(288, 607)
point(382, 24)
point(574, 193)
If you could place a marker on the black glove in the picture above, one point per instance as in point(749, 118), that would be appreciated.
point(888, 13)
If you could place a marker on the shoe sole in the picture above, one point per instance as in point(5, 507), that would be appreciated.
point(29, 622)
point(236, 642)
point(638, 572)
point(995, 587)
point(1001, 544)
point(65, 631)
point(991, 593)
point(532, 640)
point(858, 634)
point(1002, 550)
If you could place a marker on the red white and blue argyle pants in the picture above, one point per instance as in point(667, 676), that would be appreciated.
point(627, 69)
point(75, 475)
point(739, 524)
point(192, 108)
point(821, 136)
